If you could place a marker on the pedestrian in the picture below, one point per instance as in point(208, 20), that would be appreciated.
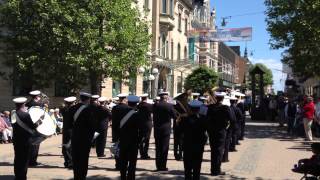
point(282, 102)
point(129, 139)
point(290, 111)
point(23, 132)
point(117, 113)
point(163, 113)
point(241, 106)
point(67, 131)
point(35, 102)
point(84, 127)
point(194, 140)
point(236, 125)
point(308, 116)
point(103, 117)
point(182, 109)
point(145, 112)
point(272, 108)
point(218, 122)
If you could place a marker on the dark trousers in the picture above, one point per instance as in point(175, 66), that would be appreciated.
point(234, 138)
point(144, 140)
point(101, 142)
point(242, 127)
point(273, 114)
point(162, 148)
point(227, 145)
point(80, 156)
point(290, 125)
point(217, 145)
point(22, 153)
point(66, 151)
point(34, 154)
point(178, 141)
point(192, 160)
point(128, 161)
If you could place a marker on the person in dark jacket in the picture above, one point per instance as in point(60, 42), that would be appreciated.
point(84, 127)
point(35, 101)
point(291, 111)
point(23, 132)
point(145, 111)
point(67, 131)
point(182, 110)
point(235, 126)
point(218, 118)
point(103, 117)
point(163, 113)
point(194, 139)
point(129, 139)
point(240, 105)
point(117, 113)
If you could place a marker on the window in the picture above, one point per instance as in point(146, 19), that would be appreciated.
point(116, 88)
point(167, 49)
point(146, 4)
point(132, 85)
point(164, 6)
point(179, 22)
point(171, 7)
point(163, 46)
point(179, 84)
point(178, 52)
point(186, 26)
point(172, 46)
point(159, 46)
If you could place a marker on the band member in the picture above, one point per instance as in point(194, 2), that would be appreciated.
point(230, 131)
point(145, 111)
point(35, 101)
point(218, 121)
point(129, 139)
point(182, 110)
point(67, 131)
point(240, 105)
point(117, 113)
point(104, 116)
point(23, 131)
point(84, 127)
point(163, 112)
point(194, 139)
point(236, 126)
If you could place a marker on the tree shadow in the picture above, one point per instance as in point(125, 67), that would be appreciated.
point(6, 177)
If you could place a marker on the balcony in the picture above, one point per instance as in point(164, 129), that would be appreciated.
point(167, 21)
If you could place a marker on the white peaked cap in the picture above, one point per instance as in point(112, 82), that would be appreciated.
point(133, 99)
point(195, 94)
point(85, 94)
point(20, 100)
point(122, 95)
point(203, 98)
point(51, 110)
point(102, 99)
point(115, 99)
point(57, 110)
point(195, 103)
point(163, 93)
point(220, 94)
point(70, 99)
point(35, 93)
point(144, 95)
point(95, 96)
point(157, 98)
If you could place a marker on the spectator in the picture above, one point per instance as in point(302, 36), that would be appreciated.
point(273, 108)
point(59, 119)
point(290, 111)
point(5, 131)
point(308, 116)
point(6, 117)
point(281, 108)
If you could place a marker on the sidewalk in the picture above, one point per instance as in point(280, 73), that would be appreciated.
point(266, 153)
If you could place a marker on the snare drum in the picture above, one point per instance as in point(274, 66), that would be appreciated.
point(48, 127)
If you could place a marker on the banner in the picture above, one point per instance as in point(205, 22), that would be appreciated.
point(221, 35)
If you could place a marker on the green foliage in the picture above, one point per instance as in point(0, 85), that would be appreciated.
point(71, 41)
point(295, 26)
point(267, 76)
point(201, 80)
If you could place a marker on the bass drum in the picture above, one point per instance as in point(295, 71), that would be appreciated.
point(48, 127)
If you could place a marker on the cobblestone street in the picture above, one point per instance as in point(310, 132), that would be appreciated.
point(266, 153)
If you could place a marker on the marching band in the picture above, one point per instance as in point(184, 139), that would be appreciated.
point(218, 118)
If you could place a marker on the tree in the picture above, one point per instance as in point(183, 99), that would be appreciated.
point(201, 80)
point(73, 41)
point(295, 26)
point(267, 76)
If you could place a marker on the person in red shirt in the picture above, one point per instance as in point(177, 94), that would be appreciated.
point(308, 116)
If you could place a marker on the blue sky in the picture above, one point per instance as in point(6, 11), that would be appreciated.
point(261, 52)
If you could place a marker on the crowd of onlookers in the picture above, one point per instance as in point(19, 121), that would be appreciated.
point(300, 113)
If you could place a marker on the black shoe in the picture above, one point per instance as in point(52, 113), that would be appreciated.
point(34, 164)
point(145, 157)
point(224, 161)
point(162, 169)
point(218, 174)
point(233, 150)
